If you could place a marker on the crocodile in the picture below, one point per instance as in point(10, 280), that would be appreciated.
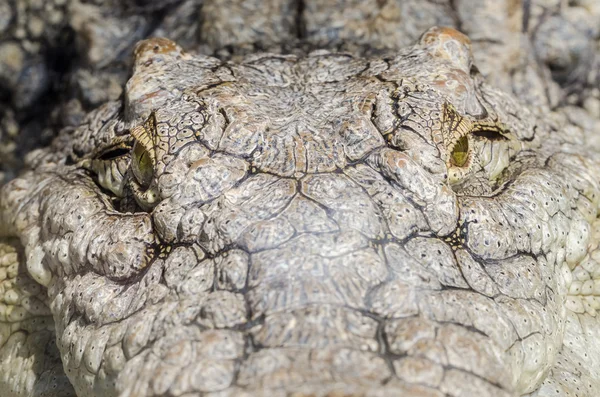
point(306, 224)
point(60, 59)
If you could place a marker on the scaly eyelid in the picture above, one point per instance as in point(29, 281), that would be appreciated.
point(117, 147)
point(114, 152)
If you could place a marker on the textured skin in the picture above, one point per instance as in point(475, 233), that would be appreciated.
point(304, 225)
point(299, 225)
point(60, 59)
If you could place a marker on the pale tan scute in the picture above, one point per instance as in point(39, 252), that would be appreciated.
point(30, 363)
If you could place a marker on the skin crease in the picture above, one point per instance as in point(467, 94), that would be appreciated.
point(61, 59)
point(305, 225)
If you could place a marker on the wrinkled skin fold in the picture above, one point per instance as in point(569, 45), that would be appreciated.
point(321, 224)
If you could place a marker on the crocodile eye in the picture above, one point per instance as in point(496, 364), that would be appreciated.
point(143, 162)
point(141, 165)
point(460, 152)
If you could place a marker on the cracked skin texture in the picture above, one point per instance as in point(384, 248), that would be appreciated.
point(318, 225)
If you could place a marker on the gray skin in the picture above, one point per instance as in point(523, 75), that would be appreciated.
point(60, 59)
point(319, 224)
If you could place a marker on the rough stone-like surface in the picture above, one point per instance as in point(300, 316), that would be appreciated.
point(29, 360)
point(60, 59)
point(376, 222)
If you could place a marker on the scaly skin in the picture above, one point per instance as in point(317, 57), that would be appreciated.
point(60, 59)
point(321, 224)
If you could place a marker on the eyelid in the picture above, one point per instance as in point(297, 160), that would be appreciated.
point(114, 153)
point(489, 131)
point(119, 146)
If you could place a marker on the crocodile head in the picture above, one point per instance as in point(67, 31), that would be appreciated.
point(320, 225)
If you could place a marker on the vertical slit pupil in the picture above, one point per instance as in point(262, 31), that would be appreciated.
point(142, 165)
point(460, 153)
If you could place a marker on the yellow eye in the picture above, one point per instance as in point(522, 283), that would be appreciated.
point(141, 165)
point(460, 152)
